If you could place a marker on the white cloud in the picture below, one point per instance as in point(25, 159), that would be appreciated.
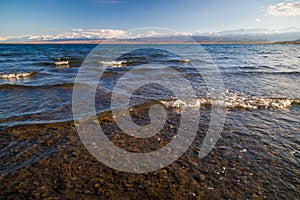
point(92, 33)
point(258, 20)
point(3, 38)
point(75, 33)
point(78, 33)
point(76, 29)
point(154, 32)
point(33, 37)
point(284, 9)
point(148, 34)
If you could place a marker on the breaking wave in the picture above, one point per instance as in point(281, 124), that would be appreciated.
point(139, 61)
point(17, 75)
point(235, 101)
point(114, 63)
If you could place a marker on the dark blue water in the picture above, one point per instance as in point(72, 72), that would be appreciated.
point(248, 71)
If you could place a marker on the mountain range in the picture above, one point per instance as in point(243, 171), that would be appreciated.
point(291, 34)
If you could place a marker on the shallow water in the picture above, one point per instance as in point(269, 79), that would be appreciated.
point(257, 155)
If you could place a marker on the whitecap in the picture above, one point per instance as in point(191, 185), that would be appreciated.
point(113, 63)
point(16, 75)
point(64, 62)
point(235, 101)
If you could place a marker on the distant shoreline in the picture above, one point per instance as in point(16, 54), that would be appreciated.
point(141, 42)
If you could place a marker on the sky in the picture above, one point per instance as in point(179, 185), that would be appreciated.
point(54, 17)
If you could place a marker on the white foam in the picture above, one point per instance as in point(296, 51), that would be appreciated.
point(235, 101)
point(254, 102)
point(192, 103)
point(16, 75)
point(64, 62)
point(113, 63)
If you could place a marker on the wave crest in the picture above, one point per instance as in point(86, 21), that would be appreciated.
point(17, 75)
point(114, 63)
point(234, 101)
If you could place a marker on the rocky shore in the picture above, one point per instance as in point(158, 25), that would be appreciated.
point(50, 162)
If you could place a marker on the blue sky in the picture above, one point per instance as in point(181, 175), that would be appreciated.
point(38, 17)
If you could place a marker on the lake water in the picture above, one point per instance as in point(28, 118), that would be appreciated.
point(256, 156)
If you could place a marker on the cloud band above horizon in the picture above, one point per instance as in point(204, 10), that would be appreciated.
point(284, 9)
